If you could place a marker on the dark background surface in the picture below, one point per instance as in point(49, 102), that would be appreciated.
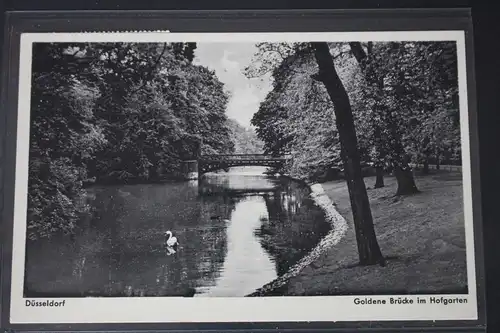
point(486, 37)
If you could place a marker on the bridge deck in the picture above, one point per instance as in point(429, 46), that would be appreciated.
point(221, 161)
point(242, 157)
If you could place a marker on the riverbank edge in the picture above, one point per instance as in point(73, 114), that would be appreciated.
point(339, 229)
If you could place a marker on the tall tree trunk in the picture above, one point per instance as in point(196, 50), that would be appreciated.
point(368, 248)
point(405, 179)
point(427, 154)
point(438, 162)
point(426, 166)
point(380, 156)
point(402, 169)
point(379, 177)
point(198, 147)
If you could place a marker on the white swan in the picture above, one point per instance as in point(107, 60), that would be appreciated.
point(171, 241)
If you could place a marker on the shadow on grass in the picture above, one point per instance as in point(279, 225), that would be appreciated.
point(457, 291)
point(283, 290)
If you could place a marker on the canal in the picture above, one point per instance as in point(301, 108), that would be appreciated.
point(237, 231)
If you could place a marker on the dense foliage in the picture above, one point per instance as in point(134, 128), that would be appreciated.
point(245, 139)
point(115, 112)
point(404, 99)
point(344, 105)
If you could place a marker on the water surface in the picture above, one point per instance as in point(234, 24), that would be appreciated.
point(237, 231)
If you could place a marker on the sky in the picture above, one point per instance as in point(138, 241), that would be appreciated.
point(228, 60)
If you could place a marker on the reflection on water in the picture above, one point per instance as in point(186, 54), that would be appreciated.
point(247, 265)
point(237, 231)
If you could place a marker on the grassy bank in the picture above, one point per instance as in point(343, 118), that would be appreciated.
point(422, 236)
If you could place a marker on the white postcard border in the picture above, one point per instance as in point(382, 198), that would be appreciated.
point(253, 309)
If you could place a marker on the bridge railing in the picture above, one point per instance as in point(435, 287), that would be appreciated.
point(242, 157)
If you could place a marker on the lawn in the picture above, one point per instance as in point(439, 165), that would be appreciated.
point(422, 236)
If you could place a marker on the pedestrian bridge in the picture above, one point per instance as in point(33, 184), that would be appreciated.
point(208, 163)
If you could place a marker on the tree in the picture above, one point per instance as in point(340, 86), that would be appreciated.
point(271, 117)
point(314, 113)
point(429, 94)
point(245, 139)
point(418, 91)
point(368, 248)
point(183, 103)
point(63, 139)
point(114, 112)
point(391, 146)
point(296, 116)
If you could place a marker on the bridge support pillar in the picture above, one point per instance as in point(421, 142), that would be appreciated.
point(190, 170)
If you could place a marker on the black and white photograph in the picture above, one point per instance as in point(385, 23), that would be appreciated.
point(312, 174)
